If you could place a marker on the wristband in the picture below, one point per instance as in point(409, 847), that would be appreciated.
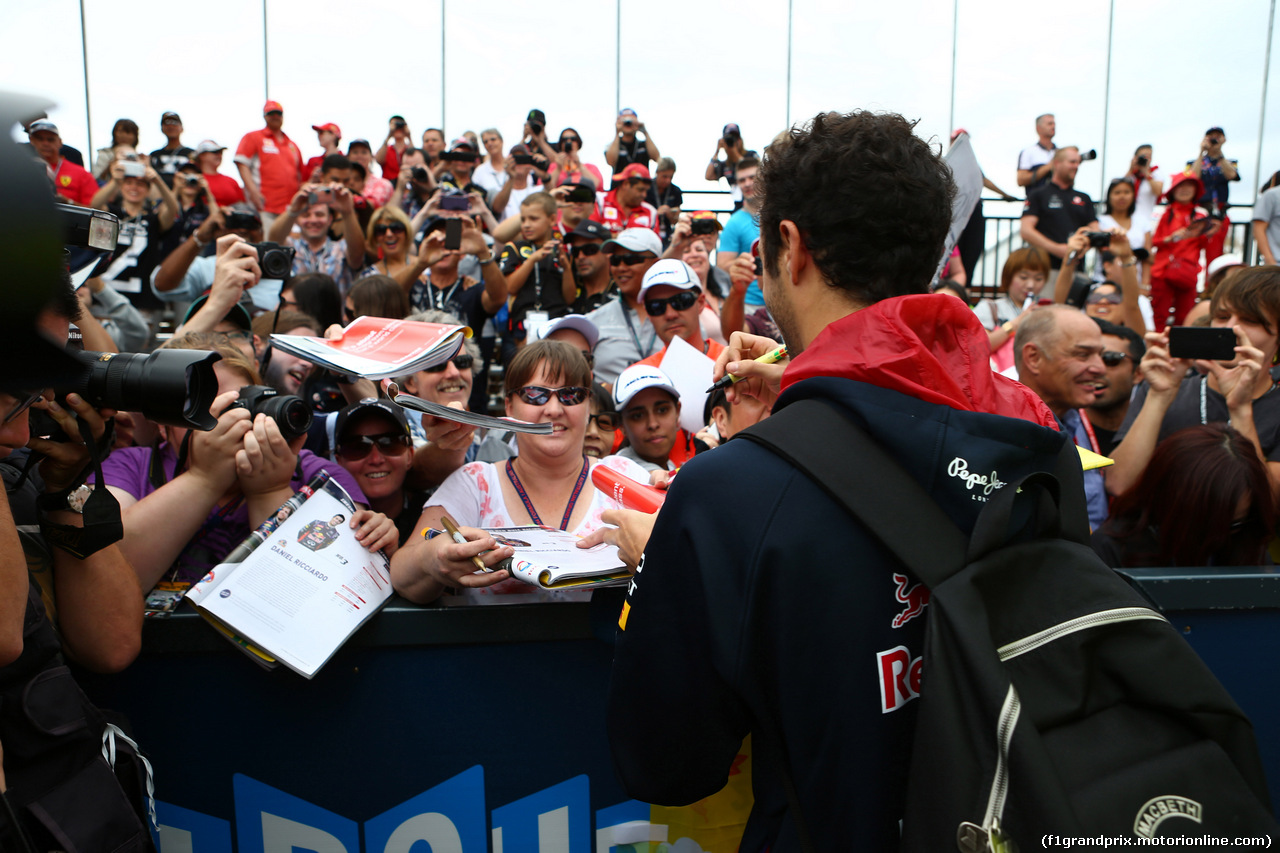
point(484, 262)
point(195, 238)
point(1132, 262)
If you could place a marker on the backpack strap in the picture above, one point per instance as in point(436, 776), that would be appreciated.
point(894, 515)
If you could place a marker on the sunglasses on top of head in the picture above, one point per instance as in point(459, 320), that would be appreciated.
point(462, 361)
point(682, 301)
point(357, 447)
point(536, 395)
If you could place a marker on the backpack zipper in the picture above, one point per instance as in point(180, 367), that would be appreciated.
point(1012, 708)
point(1080, 623)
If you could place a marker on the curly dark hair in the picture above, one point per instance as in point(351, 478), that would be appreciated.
point(871, 199)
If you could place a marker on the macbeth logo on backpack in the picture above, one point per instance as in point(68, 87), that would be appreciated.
point(1158, 809)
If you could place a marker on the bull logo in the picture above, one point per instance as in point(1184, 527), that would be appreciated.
point(914, 596)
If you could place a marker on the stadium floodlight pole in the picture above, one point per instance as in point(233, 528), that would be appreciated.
point(442, 69)
point(789, 2)
point(955, 30)
point(1106, 106)
point(266, 67)
point(1262, 111)
point(617, 58)
point(88, 113)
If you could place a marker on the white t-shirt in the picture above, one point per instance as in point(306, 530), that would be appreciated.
point(517, 196)
point(472, 496)
point(489, 178)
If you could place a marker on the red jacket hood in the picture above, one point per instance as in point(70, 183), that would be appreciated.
point(1181, 178)
point(927, 346)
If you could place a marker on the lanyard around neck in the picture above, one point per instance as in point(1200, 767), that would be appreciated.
point(528, 504)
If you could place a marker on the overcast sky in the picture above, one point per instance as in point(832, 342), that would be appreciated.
point(687, 67)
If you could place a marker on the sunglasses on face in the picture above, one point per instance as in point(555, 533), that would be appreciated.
point(1111, 358)
point(388, 443)
point(570, 140)
point(383, 228)
point(606, 421)
point(1109, 298)
point(22, 405)
point(462, 362)
point(682, 301)
point(586, 250)
point(536, 395)
point(628, 258)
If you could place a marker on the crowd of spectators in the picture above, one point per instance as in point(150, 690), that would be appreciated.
point(576, 277)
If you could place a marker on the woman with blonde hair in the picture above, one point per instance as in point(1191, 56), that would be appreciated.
point(389, 237)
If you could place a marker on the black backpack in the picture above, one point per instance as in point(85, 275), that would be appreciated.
point(1054, 700)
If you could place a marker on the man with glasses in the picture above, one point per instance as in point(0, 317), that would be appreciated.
point(1123, 353)
point(672, 296)
point(590, 266)
point(626, 335)
point(624, 206)
point(372, 441)
point(270, 164)
point(442, 447)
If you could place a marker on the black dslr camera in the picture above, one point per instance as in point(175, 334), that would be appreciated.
point(289, 412)
point(275, 260)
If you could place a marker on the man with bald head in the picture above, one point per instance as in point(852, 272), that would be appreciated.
point(1034, 164)
point(1058, 354)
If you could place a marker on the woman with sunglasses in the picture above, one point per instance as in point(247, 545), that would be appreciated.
point(568, 167)
point(388, 238)
point(371, 441)
point(548, 482)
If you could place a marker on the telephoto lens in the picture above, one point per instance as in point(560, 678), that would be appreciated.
point(173, 387)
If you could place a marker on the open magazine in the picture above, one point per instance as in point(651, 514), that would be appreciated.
point(299, 586)
point(378, 348)
point(547, 558)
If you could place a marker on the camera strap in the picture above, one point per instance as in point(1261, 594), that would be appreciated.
point(102, 525)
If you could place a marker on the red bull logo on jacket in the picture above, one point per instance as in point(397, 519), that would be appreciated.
point(915, 596)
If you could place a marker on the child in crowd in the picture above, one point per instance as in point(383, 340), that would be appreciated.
point(537, 270)
point(1181, 235)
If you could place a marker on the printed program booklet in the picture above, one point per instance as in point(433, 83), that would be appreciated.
point(378, 348)
point(297, 591)
point(547, 558)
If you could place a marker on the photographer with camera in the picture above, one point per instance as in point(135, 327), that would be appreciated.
point(1216, 173)
point(520, 185)
point(730, 142)
point(142, 227)
point(1142, 172)
point(313, 208)
point(188, 502)
point(391, 152)
point(185, 274)
point(1057, 210)
point(626, 148)
point(1115, 244)
point(195, 205)
point(414, 185)
point(461, 159)
point(567, 166)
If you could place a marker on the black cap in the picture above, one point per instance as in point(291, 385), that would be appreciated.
point(170, 115)
point(238, 314)
point(590, 229)
point(365, 408)
point(537, 116)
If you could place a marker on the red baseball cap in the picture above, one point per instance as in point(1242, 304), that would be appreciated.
point(635, 170)
point(272, 107)
point(337, 131)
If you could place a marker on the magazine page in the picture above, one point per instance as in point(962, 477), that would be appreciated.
point(475, 419)
point(551, 559)
point(304, 591)
point(378, 348)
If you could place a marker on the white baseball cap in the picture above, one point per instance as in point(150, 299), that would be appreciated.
point(637, 378)
point(634, 240)
point(577, 322)
point(671, 272)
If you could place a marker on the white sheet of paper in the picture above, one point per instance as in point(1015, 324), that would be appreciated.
point(690, 371)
